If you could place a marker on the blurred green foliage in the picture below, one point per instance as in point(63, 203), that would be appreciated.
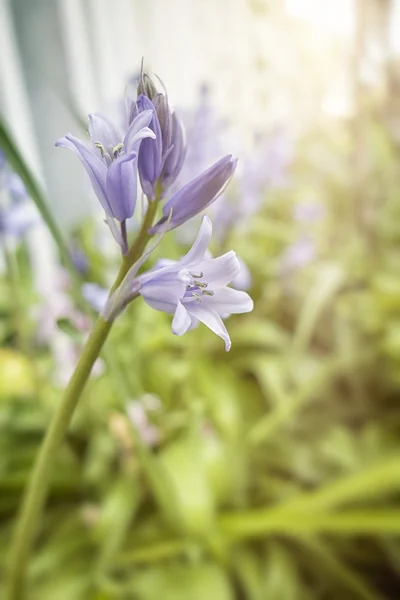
point(275, 471)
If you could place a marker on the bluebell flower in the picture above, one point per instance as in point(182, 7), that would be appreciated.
point(19, 214)
point(242, 281)
point(199, 193)
point(17, 218)
point(161, 159)
point(15, 187)
point(111, 163)
point(151, 152)
point(194, 289)
point(95, 295)
point(176, 155)
point(261, 170)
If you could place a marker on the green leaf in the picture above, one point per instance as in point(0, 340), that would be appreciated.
point(321, 293)
point(14, 157)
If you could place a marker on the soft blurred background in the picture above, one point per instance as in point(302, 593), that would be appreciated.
point(271, 472)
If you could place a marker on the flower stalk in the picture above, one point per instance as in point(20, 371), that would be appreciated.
point(37, 488)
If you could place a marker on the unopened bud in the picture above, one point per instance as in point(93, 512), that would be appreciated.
point(146, 86)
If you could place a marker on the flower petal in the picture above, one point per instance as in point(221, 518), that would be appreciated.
point(95, 168)
point(181, 321)
point(198, 193)
point(163, 292)
point(213, 321)
point(199, 248)
point(115, 230)
point(229, 301)
point(174, 161)
point(95, 295)
point(138, 130)
point(150, 155)
point(102, 130)
point(122, 186)
point(218, 272)
point(243, 280)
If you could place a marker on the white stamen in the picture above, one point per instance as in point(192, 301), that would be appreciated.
point(100, 146)
point(117, 149)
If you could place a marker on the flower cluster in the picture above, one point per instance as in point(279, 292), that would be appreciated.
point(152, 151)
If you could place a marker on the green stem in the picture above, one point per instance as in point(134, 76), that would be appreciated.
point(36, 491)
point(137, 247)
point(37, 488)
point(17, 305)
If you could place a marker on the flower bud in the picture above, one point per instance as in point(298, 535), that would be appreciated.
point(146, 86)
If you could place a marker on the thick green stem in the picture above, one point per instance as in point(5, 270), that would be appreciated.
point(37, 488)
point(36, 491)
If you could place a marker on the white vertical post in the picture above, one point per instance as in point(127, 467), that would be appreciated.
point(76, 45)
point(106, 48)
point(15, 109)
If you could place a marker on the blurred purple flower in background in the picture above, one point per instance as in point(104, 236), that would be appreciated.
point(261, 169)
point(18, 214)
point(95, 295)
point(308, 212)
point(297, 255)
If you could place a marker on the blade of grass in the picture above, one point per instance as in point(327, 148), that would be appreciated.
point(371, 482)
point(259, 523)
point(321, 293)
point(284, 411)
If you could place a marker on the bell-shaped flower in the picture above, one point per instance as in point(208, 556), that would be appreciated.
point(199, 193)
point(175, 158)
point(194, 289)
point(111, 163)
point(160, 160)
point(150, 155)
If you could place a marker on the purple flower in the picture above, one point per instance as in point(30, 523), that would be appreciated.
point(111, 164)
point(95, 295)
point(298, 255)
point(161, 159)
point(81, 260)
point(18, 218)
point(176, 155)
point(150, 155)
point(15, 187)
point(263, 169)
point(20, 214)
point(195, 288)
point(243, 281)
point(199, 193)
